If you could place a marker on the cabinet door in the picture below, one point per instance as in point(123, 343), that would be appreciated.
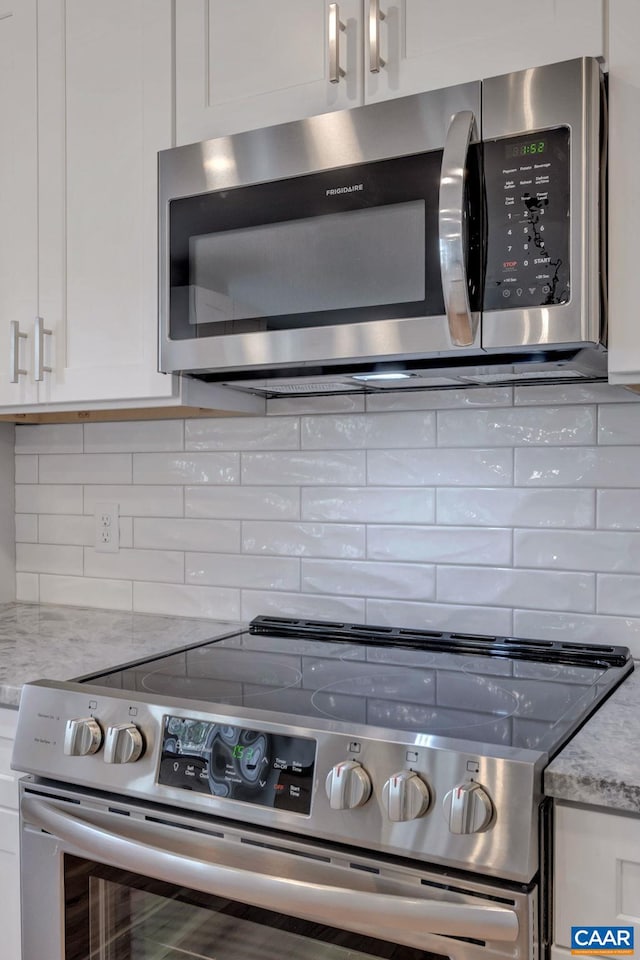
point(105, 109)
point(624, 197)
point(18, 196)
point(9, 841)
point(243, 64)
point(428, 44)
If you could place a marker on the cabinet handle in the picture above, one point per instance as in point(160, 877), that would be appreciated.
point(335, 26)
point(15, 370)
point(38, 349)
point(451, 228)
point(375, 16)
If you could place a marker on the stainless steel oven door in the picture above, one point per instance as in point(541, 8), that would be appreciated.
point(101, 881)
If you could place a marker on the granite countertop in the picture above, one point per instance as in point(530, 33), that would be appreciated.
point(39, 641)
point(600, 765)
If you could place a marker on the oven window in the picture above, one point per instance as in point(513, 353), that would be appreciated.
point(112, 914)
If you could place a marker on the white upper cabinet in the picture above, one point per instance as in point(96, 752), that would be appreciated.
point(243, 64)
point(427, 44)
point(624, 196)
point(18, 199)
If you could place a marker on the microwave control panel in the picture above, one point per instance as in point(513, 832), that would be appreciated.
point(527, 181)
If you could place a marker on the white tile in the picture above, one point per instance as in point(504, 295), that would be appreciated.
point(619, 595)
point(221, 536)
point(45, 558)
point(158, 565)
point(28, 587)
point(619, 423)
point(440, 399)
point(453, 618)
point(85, 468)
point(373, 430)
point(578, 467)
point(26, 528)
point(537, 589)
point(257, 602)
point(339, 540)
point(250, 503)
point(138, 501)
point(179, 600)
point(579, 628)
point(186, 468)
point(260, 573)
point(514, 507)
point(619, 509)
point(26, 468)
point(243, 433)
point(53, 528)
point(437, 467)
point(85, 592)
point(407, 581)
point(595, 550)
point(545, 393)
point(439, 544)
point(49, 438)
point(339, 467)
point(520, 426)
point(48, 498)
point(343, 403)
point(369, 504)
point(133, 436)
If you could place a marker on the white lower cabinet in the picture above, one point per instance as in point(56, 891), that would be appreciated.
point(9, 841)
point(596, 873)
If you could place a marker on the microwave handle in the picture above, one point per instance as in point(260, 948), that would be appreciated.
point(451, 230)
point(412, 921)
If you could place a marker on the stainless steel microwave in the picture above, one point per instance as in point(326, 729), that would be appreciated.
point(446, 238)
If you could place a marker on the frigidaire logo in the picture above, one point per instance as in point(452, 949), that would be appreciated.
point(352, 189)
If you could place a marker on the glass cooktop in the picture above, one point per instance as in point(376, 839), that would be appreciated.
point(501, 691)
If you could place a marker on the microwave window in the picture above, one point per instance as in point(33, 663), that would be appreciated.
point(356, 258)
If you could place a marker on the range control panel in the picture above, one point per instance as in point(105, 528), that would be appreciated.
point(273, 770)
point(527, 182)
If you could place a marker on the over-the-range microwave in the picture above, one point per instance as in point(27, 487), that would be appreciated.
point(447, 238)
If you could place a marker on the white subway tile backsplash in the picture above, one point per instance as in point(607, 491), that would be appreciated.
point(181, 600)
point(368, 579)
point(619, 424)
point(576, 392)
point(440, 399)
point(26, 528)
point(28, 587)
point(257, 602)
point(439, 544)
point(184, 468)
point(243, 503)
point(578, 628)
point(594, 550)
point(337, 467)
point(436, 467)
point(85, 468)
point(536, 589)
point(156, 533)
point(158, 565)
point(49, 438)
point(48, 498)
point(26, 468)
point(579, 467)
point(360, 431)
point(520, 426)
point(86, 592)
point(46, 558)
point(255, 573)
point(133, 436)
point(516, 507)
point(243, 433)
point(619, 509)
point(137, 501)
point(53, 528)
point(440, 616)
point(341, 403)
point(339, 540)
point(619, 595)
point(369, 504)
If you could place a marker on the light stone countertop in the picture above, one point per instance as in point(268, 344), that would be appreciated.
point(45, 641)
point(601, 764)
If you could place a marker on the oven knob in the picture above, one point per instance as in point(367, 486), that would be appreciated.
point(82, 737)
point(468, 808)
point(405, 796)
point(348, 785)
point(123, 743)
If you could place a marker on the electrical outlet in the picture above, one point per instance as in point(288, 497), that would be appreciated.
point(107, 527)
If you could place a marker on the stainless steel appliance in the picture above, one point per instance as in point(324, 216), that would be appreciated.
point(318, 789)
point(443, 239)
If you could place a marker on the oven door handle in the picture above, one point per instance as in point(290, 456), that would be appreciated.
point(405, 920)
